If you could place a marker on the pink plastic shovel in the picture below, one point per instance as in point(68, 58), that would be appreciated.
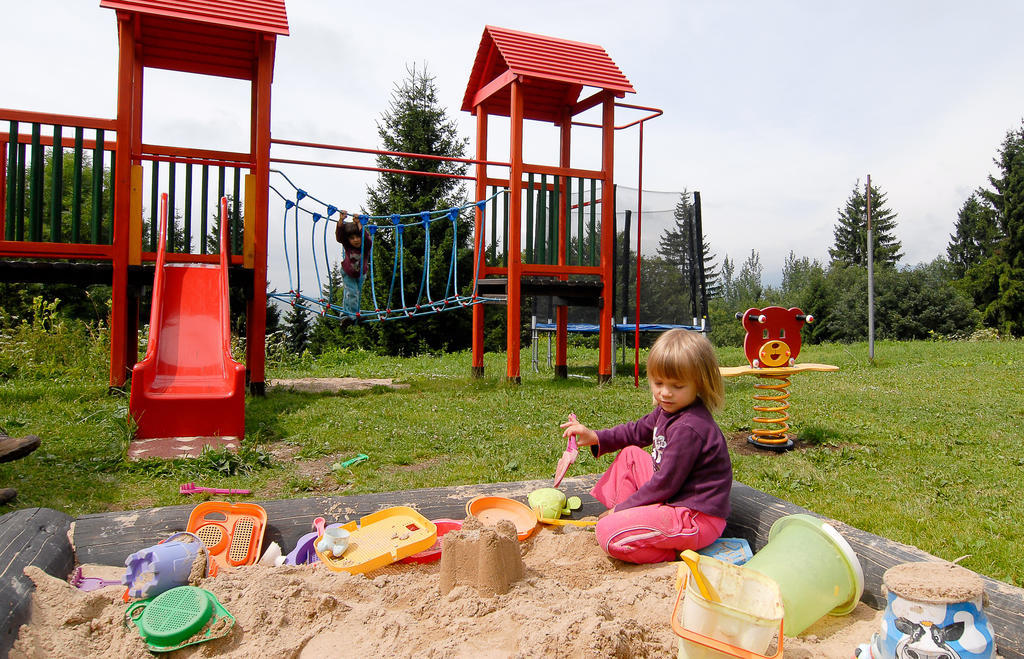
point(568, 456)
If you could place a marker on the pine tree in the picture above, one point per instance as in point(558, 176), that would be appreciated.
point(681, 247)
point(727, 286)
point(415, 122)
point(297, 330)
point(976, 234)
point(327, 332)
point(997, 283)
point(851, 231)
point(749, 289)
point(1007, 195)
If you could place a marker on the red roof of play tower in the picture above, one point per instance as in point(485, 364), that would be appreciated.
point(557, 71)
point(255, 15)
point(214, 37)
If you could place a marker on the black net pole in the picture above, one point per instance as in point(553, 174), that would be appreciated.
point(698, 229)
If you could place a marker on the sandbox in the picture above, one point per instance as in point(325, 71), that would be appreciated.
point(572, 600)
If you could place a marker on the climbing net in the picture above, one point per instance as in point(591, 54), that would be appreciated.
point(304, 213)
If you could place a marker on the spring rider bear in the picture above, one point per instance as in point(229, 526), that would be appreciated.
point(771, 346)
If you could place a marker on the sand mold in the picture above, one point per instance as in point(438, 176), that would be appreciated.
point(933, 582)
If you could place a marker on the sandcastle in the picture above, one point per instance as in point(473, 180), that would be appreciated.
point(485, 557)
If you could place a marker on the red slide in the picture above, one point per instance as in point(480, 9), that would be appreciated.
point(188, 385)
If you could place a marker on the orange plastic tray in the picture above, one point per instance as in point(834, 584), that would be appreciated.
point(491, 510)
point(231, 532)
point(380, 539)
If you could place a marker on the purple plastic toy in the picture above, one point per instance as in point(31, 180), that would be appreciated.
point(305, 551)
point(161, 567)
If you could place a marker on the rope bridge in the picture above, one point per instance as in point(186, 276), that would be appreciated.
point(395, 303)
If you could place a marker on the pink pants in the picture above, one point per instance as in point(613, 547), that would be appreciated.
point(647, 534)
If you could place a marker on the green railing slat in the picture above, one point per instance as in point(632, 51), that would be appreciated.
point(568, 220)
point(553, 220)
point(171, 177)
point(187, 228)
point(541, 229)
point(563, 211)
point(154, 203)
point(236, 215)
point(593, 222)
point(19, 211)
point(76, 186)
point(529, 219)
point(97, 188)
point(35, 200)
point(494, 224)
point(109, 240)
point(221, 178)
point(10, 225)
point(57, 184)
point(579, 221)
point(504, 256)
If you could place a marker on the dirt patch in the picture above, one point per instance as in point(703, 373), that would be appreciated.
point(739, 445)
point(419, 466)
point(333, 385)
point(283, 452)
point(315, 473)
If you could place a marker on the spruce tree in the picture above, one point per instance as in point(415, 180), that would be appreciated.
point(997, 283)
point(681, 247)
point(851, 231)
point(976, 234)
point(297, 330)
point(415, 122)
point(326, 332)
point(1007, 196)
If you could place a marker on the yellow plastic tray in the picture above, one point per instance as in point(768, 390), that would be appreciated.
point(380, 539)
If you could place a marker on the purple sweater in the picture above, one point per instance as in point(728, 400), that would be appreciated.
point(350, 258)
point(691, 459)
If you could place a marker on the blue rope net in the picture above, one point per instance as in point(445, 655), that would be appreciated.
point(304, 212)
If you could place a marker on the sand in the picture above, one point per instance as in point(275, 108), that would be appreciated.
point(933, 582)
point(572, 600)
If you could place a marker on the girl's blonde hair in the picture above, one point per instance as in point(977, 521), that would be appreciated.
point(680, 354)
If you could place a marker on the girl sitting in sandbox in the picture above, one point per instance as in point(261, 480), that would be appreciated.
point(677, 496)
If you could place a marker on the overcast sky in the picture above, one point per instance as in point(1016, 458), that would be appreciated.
point(773, 110)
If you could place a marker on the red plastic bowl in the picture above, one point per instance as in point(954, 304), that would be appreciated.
point(434, 553)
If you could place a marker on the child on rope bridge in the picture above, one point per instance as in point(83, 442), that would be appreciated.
point(354, 263)
point(677, 496)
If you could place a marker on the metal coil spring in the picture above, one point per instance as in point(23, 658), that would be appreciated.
point(776, 394)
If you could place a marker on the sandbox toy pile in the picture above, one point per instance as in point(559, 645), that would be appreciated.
point(512, 577)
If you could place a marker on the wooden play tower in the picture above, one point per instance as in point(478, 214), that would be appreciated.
point(107, 244)
point(211, 38)
point(532, 77)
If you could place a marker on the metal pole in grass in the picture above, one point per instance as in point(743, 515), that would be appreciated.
point(871, 282)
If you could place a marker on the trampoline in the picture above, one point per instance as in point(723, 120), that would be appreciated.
point(619, 332)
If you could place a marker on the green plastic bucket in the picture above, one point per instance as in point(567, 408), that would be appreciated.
point(817, 571)
point(181, 616)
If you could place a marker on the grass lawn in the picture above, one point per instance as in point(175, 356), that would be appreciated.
point(923, 446)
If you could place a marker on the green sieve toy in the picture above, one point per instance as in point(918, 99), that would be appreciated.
point(181, 616)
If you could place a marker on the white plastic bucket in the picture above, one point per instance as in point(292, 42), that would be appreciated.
point(743, 624)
